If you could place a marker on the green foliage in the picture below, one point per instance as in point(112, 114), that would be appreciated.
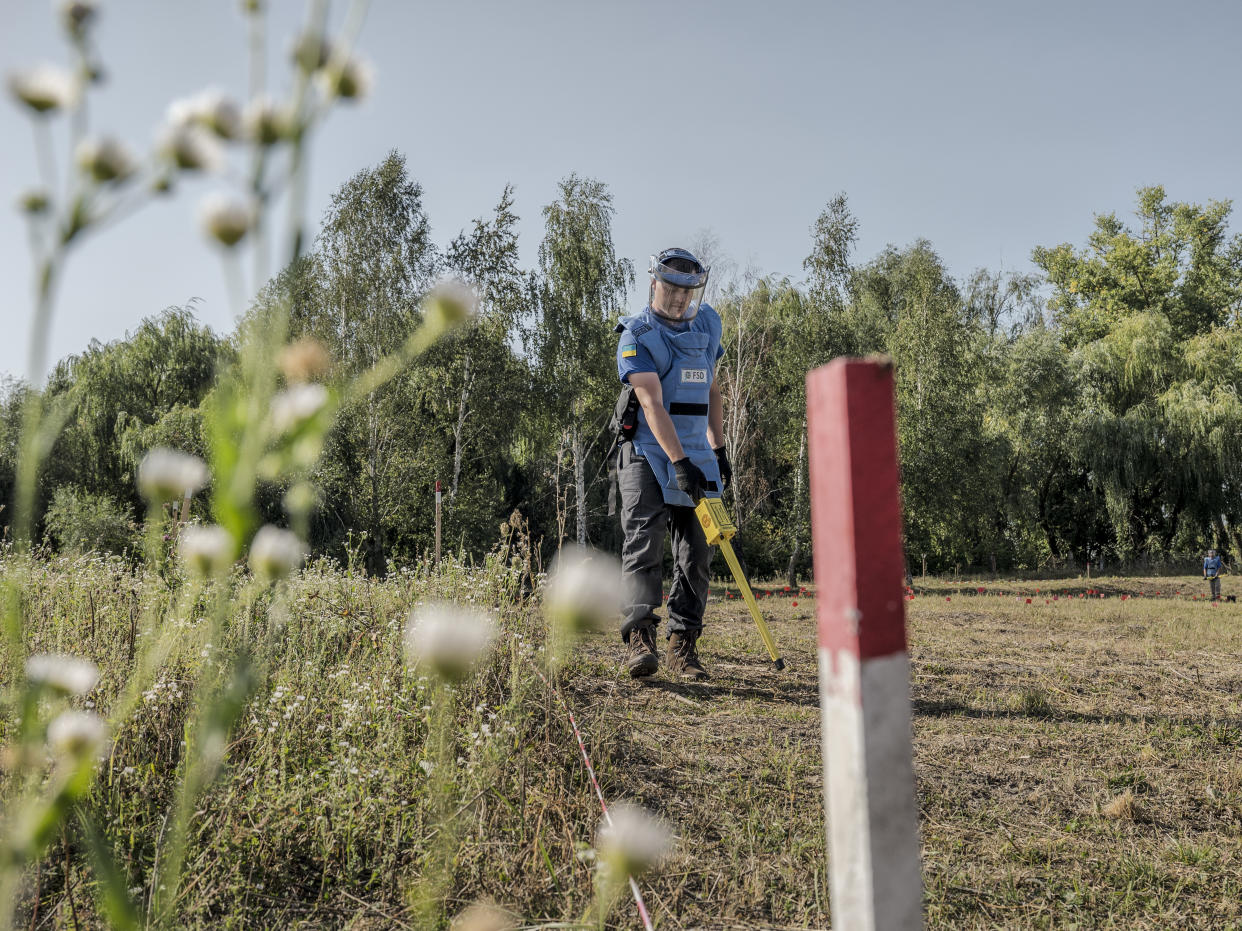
point(1103, 425)
point(78, 521)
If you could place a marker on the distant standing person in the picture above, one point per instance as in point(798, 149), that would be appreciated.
point(1211, 572)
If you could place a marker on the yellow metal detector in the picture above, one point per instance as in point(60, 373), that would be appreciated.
point(719, 529)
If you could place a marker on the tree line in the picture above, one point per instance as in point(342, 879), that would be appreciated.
point(1088, 411)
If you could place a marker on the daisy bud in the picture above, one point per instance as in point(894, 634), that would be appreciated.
point(304, 360)
point(77, 15)
point(35, 201)
point(44, 88)
point(76, 734)
point(300, 498)
point(168, 475)
point(634, 841)
point(351, 81)
point(448, 640)
point(266, 122)
point(274, 553)
point(191, 148)
point(216, 111)
point(449, 304)
point(69, 675)
point(584, 591)
point(312, 51)
point(105, 159)
point(206, 549)
point(225, 219)
point(296, 405)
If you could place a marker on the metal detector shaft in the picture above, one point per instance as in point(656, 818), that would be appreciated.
point(719, 528)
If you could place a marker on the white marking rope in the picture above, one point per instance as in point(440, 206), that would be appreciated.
point(638, 896)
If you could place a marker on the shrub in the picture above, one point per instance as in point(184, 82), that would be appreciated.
point(80, 522)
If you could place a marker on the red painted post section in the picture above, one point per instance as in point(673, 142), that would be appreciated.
point(856, 510)
point(864, 671)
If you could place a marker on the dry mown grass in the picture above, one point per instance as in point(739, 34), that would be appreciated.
point(1077, 763)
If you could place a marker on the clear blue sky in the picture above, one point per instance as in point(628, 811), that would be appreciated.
point(987, 127)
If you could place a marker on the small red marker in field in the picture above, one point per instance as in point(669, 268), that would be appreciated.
point(978, 591)
point(795, 604)
point(786, 588)
point(1046, 601)
point(1124, 597)
point(946, 598)
point(1028, 601)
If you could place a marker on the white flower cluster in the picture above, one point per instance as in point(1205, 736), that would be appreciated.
point(162, 689)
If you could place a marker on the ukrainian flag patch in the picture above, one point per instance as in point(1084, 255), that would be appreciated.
point(629, 351)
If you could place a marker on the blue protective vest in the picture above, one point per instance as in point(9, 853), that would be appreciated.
point(1211, 566)
point(686, 363)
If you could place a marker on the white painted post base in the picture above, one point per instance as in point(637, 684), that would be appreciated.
point(872, 823)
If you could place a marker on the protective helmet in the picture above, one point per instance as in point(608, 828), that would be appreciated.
point(682, 279)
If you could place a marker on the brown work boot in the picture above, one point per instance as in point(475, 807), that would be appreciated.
point(683, 659)
point(642, 659)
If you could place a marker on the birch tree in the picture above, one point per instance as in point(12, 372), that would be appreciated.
point(582, 287)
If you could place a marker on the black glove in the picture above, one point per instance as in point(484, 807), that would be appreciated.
point(690, 478)
point(726, 470)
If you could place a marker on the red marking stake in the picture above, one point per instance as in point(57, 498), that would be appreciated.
point(864, 670)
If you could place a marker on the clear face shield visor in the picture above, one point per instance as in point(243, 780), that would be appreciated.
point(676, 295)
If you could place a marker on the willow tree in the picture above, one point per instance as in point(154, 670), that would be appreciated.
point(1152, 315)
point(582, 288)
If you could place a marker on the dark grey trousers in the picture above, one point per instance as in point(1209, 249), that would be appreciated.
point(1214, 585)
point(644, 518)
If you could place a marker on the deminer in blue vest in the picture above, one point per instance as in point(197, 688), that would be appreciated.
point(675, 455)
point(1211, 572)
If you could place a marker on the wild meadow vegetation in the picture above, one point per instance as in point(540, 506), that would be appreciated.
point(238, 691)
point(1076, 761)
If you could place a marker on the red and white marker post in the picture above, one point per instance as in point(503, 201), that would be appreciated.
point(437, 522)
point(864, 670)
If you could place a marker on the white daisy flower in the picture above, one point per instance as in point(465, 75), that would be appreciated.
point(206, 548)
point(190, 147)
point(584, 592)
point(634, 841)
point(448, 639)
point(449, 303)
point(70, 675)
point(105, 159)
point(226, 219)
point(294, 406)
point(44, 88)
point(76, 734)
point(167, 475)
point(275, 553)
